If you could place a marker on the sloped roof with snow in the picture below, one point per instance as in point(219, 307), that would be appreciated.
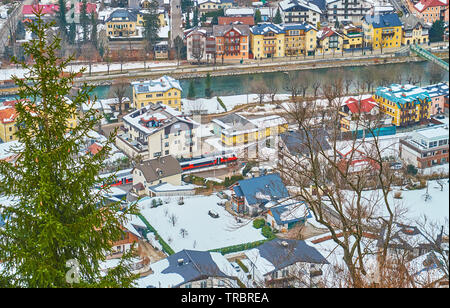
point(187, 266)
point(261, 189)
point(280, 253)
point(424, 4)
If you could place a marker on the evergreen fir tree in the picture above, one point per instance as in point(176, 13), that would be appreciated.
point(191, 91)
point(278, 20)
point(56, 220)
point(94, 29)
point(208, 92)
point(258, 17)
point(437, 31)
point(151, 23)
point(72, 33)
point(215, 20)
point(61, 15)
point(195, 18)
point(188, 22)
point(84, 21)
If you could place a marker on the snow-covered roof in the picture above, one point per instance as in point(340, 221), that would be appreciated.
point(187, 266)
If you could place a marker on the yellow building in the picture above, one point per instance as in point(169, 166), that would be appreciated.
point(382, 31)
point(300, 39)
point(165, 90)
point(123, 23)
point(236, 130)
point(353, 37)
point(330, 41)
point(267, 41)
point(213, 5)
point(8, 126)
point(405, 104)
point(414, 31)
point(8, 123)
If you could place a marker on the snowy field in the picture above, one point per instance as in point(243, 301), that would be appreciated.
point(203, 231)
point(414, 205)
point(211, 105)
point(5, 74)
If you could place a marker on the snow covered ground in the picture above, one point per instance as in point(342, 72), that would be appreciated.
point(211, 105)
point(5, 74)
point(413, 202)
point(203, 231)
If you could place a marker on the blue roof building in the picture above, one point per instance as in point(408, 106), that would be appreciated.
point(251, 195)
point(284, 215)
point(191, 268)
point(383, 20)
point(285, 263)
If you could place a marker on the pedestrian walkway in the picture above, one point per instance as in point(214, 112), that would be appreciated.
point(429, 56)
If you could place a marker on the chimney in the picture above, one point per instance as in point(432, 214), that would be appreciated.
point(284, 244)
point(180, 262)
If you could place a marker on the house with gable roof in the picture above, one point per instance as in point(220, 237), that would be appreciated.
point(165, 90)
point(251, 195)
point(156, 171)
point(382, 31)
point(286, 214)
point(285, 263)
point(294, 11)
point(157, 130)
point(406, 104)
point(191, 269)
point(232, 41)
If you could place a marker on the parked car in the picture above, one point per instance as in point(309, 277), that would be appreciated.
point(213, 214)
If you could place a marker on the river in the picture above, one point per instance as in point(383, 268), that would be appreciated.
point(242, 84)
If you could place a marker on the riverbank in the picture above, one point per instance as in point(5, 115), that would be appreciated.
point(255, 67)
point(233, 79)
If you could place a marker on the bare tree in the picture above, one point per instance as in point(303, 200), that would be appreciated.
point(331, 184)
point(173, 219)
point(260, 88)
point(118, 90)
point(183, 232)
point(122, 56)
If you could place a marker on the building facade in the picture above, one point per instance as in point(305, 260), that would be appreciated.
point(382, 31)
point(267, 41)
point(406, 104)
point(426, 147)
point(300, 39)
point(295, 11)
point(165, 90)
point(232, 41)
point(157, 130)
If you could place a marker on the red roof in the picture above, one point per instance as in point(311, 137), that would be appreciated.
point(94, 148)
point(245, 20)
point(46, 9)
point(90, 7)
point(8, 115)
point(53, 8)
point(424, 4)
point(327, 32)
point(360, 106)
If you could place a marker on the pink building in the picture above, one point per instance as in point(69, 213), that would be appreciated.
point(430, 10)
point(439, 95)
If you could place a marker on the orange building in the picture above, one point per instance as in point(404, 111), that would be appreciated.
point(430, 10)
point(232, 41)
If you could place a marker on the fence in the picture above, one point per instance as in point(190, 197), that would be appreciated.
point(382, 131)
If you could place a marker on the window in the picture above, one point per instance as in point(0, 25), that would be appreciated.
point(203, 284)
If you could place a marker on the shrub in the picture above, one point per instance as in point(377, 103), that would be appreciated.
point(411, 169)
point(267, 232)
point(258, 223)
